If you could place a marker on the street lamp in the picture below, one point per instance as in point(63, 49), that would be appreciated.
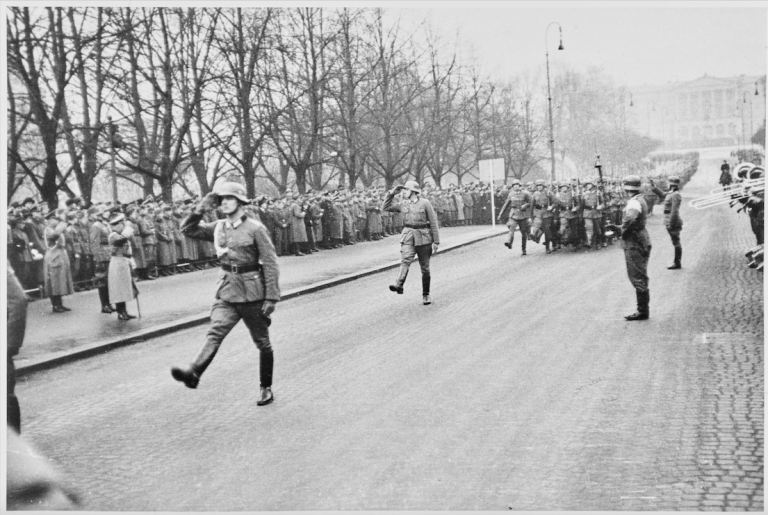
point(751, 118)
point(549, 94)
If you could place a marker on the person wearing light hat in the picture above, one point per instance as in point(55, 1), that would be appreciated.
point(120, 279)
point(420, 237)
point(248, 286)
point(636, 244)
point(672, 219)
point(56, 268)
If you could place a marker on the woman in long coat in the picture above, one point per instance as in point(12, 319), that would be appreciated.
point(56, 269)
point(120, 279)
point(164, 242)
point(298, 229)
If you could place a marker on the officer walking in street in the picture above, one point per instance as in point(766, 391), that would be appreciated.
point(248, 282)
point(636, 244)
point(420, 237)
point(672, 220)
point(520, 203)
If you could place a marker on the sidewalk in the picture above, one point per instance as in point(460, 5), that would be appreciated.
point(181, 301)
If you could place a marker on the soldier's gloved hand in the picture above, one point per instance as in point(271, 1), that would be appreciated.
point(208, 202)
point(434, 248)
point(268, 307)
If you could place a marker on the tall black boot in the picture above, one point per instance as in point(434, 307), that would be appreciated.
point(678, 256)
point(122, 311)
point(524, 242)
point(398, 286)
point(508, 244)
point(426, 279)
point(104, 298)
point(190, 374)
point(266, 365)
point(643, 306)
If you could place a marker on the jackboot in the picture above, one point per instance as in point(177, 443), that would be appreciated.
point(643, 308)
point(426, 279)
point(190, 374)
point(508, 244)
point(524, 242)
point(398, 286)
point(678, 256)
point(266, 365)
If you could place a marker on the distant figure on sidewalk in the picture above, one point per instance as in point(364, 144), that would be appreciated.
point(248, 282)
point(672, 220)
point(636, 244)
point(420, 236)
point(122, 289)
point(56, 268)
point(725, 174)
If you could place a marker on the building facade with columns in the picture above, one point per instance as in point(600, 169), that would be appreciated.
point(705, 112)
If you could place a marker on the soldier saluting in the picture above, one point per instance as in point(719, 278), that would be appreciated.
point(248, 282)
point(636, 244)
point(420, 236)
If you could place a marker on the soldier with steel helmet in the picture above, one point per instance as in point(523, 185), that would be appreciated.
point(520, 203)
point(592, 201)
point(247, 288)
point(420, 237)
point(543, 205)
point(636, 244)
point(672, 219)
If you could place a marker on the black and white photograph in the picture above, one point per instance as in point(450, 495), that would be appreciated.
point(374, 256)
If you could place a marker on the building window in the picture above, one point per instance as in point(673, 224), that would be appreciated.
point(683, 131)
point(708, 133)
point(732, 129)
point(696, 132)
point(720, 129)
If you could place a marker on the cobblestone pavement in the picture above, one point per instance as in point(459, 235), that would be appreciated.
point(521, 388)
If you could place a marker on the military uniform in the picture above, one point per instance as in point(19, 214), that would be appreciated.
point(672, 219)
point(248, 278)
point(520, 205)
point(543, 205)
point(420, 232)
point(592, 203)
point(637, 246)
point(99, 243)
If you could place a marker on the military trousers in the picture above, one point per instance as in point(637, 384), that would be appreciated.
point(224, 317)
point(674, 234)
point(513, 224)
point(637, 267)
point(410, 252)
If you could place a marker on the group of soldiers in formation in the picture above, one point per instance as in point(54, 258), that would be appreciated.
point(571, 214)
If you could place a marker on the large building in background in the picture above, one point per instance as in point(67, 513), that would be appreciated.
point(705, 112)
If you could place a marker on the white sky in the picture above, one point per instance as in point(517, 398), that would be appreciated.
point(635, 42)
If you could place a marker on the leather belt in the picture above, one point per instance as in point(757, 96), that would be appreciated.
point(241, 269)
point(417, 226)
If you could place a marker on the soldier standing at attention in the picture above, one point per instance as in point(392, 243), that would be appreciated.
point(99, 242)
point(248, 282)
point(420, 237)
point(520, 203)
point(636, 244)
point(672, 220)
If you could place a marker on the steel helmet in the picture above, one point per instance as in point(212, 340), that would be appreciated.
point(540, 182)
point(232, 189)
point(674, 179)
point(515, 181)
point(413, 186)
point(632, 183)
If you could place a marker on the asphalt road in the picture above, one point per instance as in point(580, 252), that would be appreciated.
point(520, 388)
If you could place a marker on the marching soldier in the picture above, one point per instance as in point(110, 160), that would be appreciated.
point(636, 244)
point(420, 237)
point(569, 218)
point(520, 203)
point(672, 220)
point(248, 285)
point(543, 206)
point(593, 205)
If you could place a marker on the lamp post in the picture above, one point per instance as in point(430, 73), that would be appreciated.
point(751, 118)
point(549, 95)
point(112, 159)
